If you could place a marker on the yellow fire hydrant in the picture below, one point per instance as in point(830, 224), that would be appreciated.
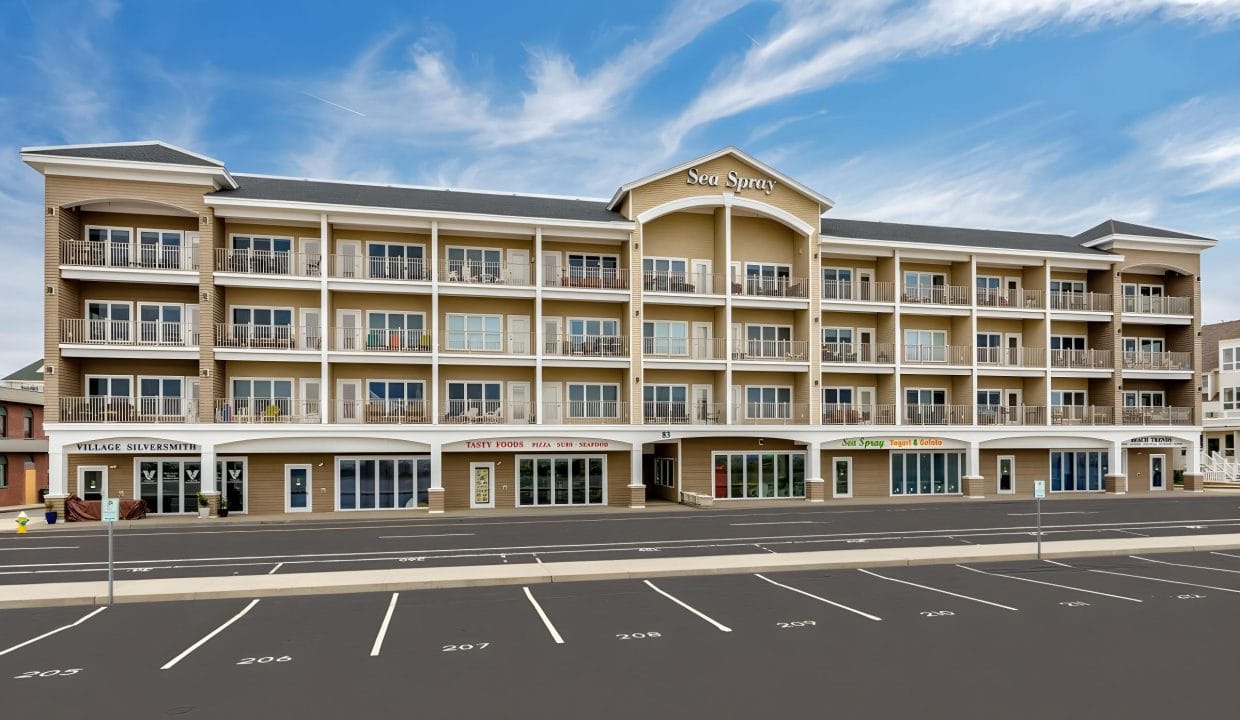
point(22, 521)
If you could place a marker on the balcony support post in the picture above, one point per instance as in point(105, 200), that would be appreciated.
point(435, 409)
point(325, 390)
point(540, 342)
point(207, 479)
point(57, 478)
point(974, 483)
point(435, 494)
point(1194, 478)
point(815, 486)
point(637, 488)
point(1116, 481)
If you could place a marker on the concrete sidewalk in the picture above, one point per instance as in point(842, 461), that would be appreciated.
point(325, 583)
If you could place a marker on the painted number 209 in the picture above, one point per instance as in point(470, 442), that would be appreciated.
point(796, 624)
point(264, 660)
point(47, 673)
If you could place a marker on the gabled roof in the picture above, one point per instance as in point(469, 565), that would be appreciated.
point(473, 202)
point(624, 189)
point(1119, 227)
point(939, 235)
point(144, 151)
point(33, 371)
point(1211, 336)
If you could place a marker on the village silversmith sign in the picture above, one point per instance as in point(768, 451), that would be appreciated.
point(732, 181)
point(125, 447)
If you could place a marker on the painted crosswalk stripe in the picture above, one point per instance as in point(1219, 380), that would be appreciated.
point(555, 634)
point(172, 663)
point(688, 607)
point(819, 599)
point(1051, 584)
point(50, 633)
point(383, 627)
point(938, 590)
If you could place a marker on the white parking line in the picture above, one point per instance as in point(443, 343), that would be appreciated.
point(171, 663)
point(784, 522)
point(1162, 580)
point(44, 547)
point(406, 537)
point(277, 567)
point(555, 634)
point(1195, 567)
point(691, 609)
point(938, 590)
point(383, 628)
point(1215, 552)
point(1063, 512)
point(1051, 584)
point(79, 621)
point(820, 599)
point(1054, 562)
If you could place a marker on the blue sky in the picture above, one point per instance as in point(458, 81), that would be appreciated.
point(1047, 115)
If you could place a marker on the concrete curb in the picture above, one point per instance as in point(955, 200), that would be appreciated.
point(355, 581)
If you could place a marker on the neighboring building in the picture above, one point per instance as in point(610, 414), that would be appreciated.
point(1220, 395)
point(27, 378)
point(327, 346)
point(23, 447)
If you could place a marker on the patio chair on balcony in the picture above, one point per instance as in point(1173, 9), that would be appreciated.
point(494, 416)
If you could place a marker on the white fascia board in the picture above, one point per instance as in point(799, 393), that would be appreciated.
point(828, 241)
point(218, 177)
point(624, 189)
point(365, 211)
point(1143, 242)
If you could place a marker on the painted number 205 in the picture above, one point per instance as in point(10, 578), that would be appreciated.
point(47, 673)
point(264, 660)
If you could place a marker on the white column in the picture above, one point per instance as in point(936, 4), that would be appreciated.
point(539, 341)
point(899, 338)
point(1115, 459)
point(815, 488)
point(435, 494)
point(971, 401)
point(1192, 459)
point(637, 489)
point(325, 339)
point(730, 414)
point(974, 459)
point(207, 470)
point(434, 396)
point(57, 472)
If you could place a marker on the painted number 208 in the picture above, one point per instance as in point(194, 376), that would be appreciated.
point(638, 635)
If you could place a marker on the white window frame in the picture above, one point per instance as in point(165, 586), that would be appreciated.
point(516, 500)
point(485, 333)
point(669, 339)
point(81, 478)
point(585, 401)
point(421, 261)
point(109, 243)
point(458, 266)
point(962, 464)
point(132, 385)
point(937, 350)
point(482, 411)
point(782, 407)
point(395, 459)
point(835, 493)
point(288, 508)
point(999, 474)
point(232, 398)
point(714, 454)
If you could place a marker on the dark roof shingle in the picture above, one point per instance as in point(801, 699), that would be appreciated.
point(939, 235)
point(1119, 227)
point(33, 371)
point(428, 199)
point(144, 152)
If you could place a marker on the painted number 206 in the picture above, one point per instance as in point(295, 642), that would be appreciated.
point(264, 660)
point(47, 673)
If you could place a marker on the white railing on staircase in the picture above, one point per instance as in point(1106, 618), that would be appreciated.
point(1219, 468)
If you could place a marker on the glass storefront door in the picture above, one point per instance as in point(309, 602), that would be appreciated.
point(230, 479)
point(169, 485)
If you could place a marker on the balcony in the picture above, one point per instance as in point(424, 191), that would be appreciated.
point(682, 413)
point(595, 278)
point(936, 295)
point(771, 414)
point(1011, 414)
point(268, 411)
point(380, 341)
point(879, 292)
point(587, 412)
point(1157, 305)
point(385, 412)
point(268, 262)
point(770, 287)
point(858, 414)
point(130, 333)
point(1082, 415)
point(1021, 357)
point(485, 273)
point(685, 348)
point(1011, 299)
point(486, 412)
point(355, 267)
point(938, 414)
point(682, 283)
point(1179, 361)
point(783, 350)
point(587, 346)
point(1082, 359)
point(487, 343)
point(128, 256)
point(858, 353)
point(938, 355)
point(1157, 415)
point(1080, 302)
point(128, 410)
point(267, 337)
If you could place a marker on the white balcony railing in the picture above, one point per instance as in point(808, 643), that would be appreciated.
point(85, 253)
point(936, 294)
point(833, 414)
point(386, 412)
point(685, 348)
point(834, 290)
point(268, 262)
point(682, 282)
point(1081, 414)
point(495, 412)
point(938, 414)
point(771, 413)
point(1157, 360)
point(600, 346)
point(128, 332)
point(485, 342)
point(1019, 357)
point(375, 340)
point(268, 410)
point(586, 278)
point(587, 412)
point(1082, 359)
point(485, 273)
point(937, 355)
point(356, 267)
point(128, 410)
point(783, 287)
point(268, 337)
point(1016, 299)
point(1080, 301)
point(1011, 414)
point(682, 413)
point(1158, 305)
point(786, 350)
point(858, 353)
point(1157, 415)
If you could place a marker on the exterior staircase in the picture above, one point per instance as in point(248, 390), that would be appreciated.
point(1221, 472)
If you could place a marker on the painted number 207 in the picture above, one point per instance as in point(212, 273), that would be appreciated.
point(47, 673)
point(464, 647)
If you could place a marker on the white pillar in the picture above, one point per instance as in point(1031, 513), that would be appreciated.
point(898, 322)
point(325, 338)
point(637, 489)
point(57, 472)
point(815, 488)
point(207, 470)
point(540, 344)
point(1115, 459)
point(975, 460)
point(730, 413)
point(435, 494)
point(434, 397)
point(1192, 459)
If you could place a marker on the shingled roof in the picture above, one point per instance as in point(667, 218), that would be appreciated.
point(261, 187)
point(146, 152)
point(940, 235)
point(1119, 227)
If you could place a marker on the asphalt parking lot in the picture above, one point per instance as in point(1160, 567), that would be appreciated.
point(1108, 637)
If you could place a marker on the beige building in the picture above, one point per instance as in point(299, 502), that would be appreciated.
point(708, 332)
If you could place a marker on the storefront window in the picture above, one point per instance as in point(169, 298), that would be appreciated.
point(382, 483)
point(561, 480)
point(926, 473)
point(1079, 470)
point(759, 475)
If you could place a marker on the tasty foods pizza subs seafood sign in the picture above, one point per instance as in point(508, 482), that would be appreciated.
point(732, 181)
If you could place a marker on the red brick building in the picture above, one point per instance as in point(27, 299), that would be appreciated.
point(23, 447)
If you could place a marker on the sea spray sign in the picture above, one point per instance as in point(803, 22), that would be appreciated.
point(893, 443)
point(125, 447)
point(732, 181)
